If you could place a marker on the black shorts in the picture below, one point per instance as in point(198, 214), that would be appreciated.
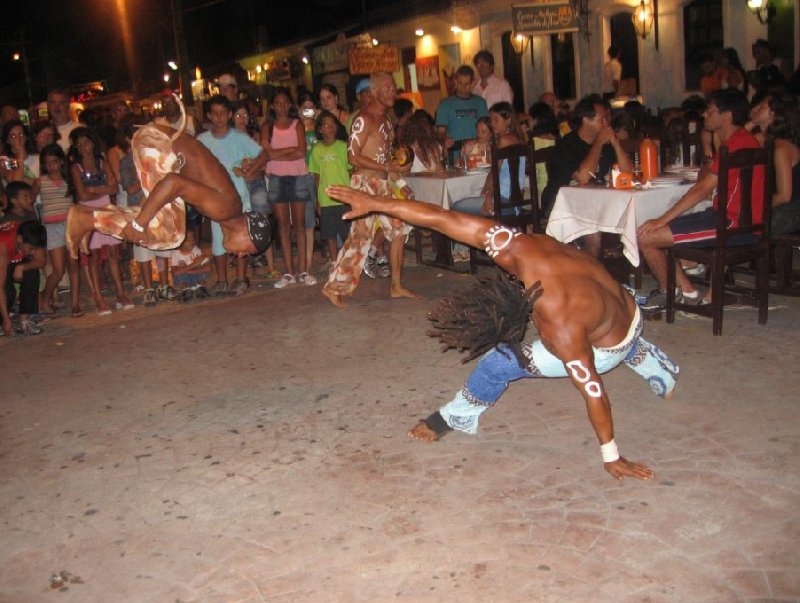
point(700, 230)
point(331, 223)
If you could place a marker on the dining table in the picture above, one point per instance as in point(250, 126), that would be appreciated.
point(442, 189)
point(582, 210)
point(446, 187)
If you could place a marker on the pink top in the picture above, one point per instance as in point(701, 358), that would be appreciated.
point(282, 139)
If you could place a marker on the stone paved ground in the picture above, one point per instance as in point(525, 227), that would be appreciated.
point(254, 449)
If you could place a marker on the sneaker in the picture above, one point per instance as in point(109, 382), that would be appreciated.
point(286, 279)
point(149, 297)
point(221, 289)
point(201, 292)
point(259, 261)
point(186, 296)
point(121, 306)
point(28, 328)
point(698, 270)
point(382, 267)
point(238, 287)
point(167, 292)
point(657, 300)
point(307, 279)
point(371, 267)
point(693, 300)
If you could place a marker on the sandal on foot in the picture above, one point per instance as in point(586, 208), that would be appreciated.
point(77, 313)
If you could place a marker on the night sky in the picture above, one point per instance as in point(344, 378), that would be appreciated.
point(75, 41)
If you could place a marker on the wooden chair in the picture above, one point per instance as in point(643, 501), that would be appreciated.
point(787, 279)
point(518, 211)
point(724, 253)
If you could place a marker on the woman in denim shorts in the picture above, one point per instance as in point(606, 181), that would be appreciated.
point(289, 192)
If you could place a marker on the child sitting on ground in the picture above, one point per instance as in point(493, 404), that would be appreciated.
point(190, 269)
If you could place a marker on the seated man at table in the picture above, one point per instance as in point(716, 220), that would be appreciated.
point(727, 112)
point(585, 154)
point(587, 323)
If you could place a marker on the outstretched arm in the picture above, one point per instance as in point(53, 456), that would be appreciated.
point(575, 351)
point(459, 226)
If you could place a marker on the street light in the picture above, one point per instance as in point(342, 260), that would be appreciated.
point(642, 20)
point(520, 43)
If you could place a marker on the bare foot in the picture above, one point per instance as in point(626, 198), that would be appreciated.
point(400, 291)
point(421, 431)
point(76, 312)
point(45, 308)
point(335, 298)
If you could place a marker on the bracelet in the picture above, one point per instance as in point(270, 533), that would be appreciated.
point(609, 452)
point(136, 226)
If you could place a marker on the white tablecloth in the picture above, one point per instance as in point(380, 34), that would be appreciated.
point(581, 210)
point(446, 188)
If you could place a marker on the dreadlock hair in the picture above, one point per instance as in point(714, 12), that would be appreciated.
point(493, 311)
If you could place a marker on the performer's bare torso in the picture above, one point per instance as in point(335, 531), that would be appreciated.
point(371, 137)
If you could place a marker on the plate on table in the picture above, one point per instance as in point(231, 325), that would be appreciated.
point(478, 169)
point(661, 181)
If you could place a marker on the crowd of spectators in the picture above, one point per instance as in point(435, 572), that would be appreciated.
point(303, 144)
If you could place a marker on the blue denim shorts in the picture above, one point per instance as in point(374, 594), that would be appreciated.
point(289, 189)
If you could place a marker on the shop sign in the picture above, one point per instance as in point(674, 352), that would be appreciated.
point(331, 57)
point(544, 17)
point(373, 59)
point(278, 69)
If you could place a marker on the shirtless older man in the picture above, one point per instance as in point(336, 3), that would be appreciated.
point(369, 152)
point(587, 323)
point(173, 167)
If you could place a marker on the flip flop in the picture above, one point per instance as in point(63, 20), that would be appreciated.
point(77, 313)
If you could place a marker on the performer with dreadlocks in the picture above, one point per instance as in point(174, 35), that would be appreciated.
point(173, 167)
point(587, 323)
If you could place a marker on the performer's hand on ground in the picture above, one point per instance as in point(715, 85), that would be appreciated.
point(622, 468)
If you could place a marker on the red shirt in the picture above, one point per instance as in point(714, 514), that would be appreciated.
point(8, 239)
point(741, 139)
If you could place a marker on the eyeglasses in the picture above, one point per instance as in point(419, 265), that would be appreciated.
point(240, 115)
point(15, 136)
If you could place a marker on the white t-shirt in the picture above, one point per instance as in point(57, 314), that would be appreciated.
point(180, 258)
point(64, 131)
point(612, 71)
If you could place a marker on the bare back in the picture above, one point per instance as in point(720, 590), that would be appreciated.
point(579, 294)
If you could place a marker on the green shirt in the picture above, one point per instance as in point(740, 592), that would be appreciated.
point(330, 162)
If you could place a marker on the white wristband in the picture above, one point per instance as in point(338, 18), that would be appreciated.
point(401, 183)
point(136, 226)
point(610, 452)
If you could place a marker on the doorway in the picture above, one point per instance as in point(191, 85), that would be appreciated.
point(623, 35)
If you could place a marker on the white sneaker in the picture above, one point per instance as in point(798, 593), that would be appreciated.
point(307, 279)
point(698, 270)
point(286, 279)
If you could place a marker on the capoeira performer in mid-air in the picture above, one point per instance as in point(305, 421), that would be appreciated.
point(175, 169)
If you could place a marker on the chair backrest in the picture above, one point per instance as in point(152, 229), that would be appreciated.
point(631, 147)
point(517, 209)
point(692, 140)
point(751, 180)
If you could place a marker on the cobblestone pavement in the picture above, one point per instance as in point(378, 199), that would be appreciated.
point(254, 449)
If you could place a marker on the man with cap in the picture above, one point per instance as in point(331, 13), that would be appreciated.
point(228, 87)
point(364, 96)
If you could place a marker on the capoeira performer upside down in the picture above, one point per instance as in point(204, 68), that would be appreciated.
point(174, 169)
point(587, 323)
